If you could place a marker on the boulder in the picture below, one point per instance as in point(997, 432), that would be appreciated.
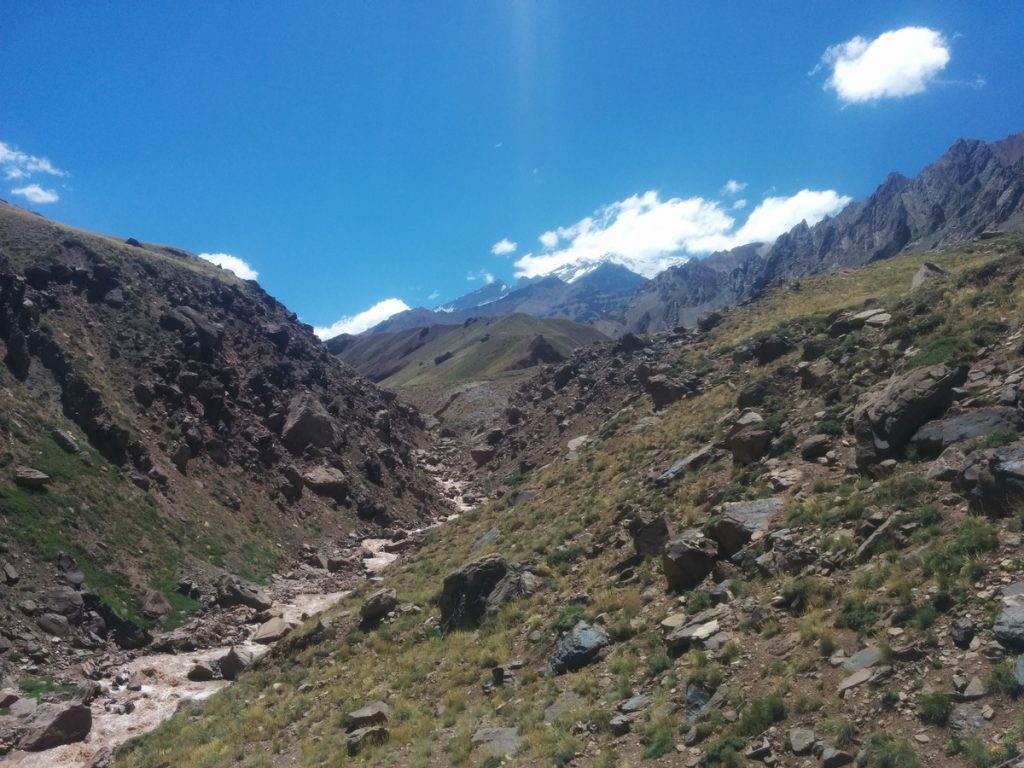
point(10, 574)
point(934, 437)
point(378, 605)
point(886, 419)
point(750, 445)
point(687, 560)
point(271, 631)
point(689, 463)
point(767, 349)
point(479, 588)
point(156, 606)
point(741, 521)
point(63, 600)
point(928, 274)
point(52, 725)
point(374, 713)
point(814, 447)
point(577, 648)
point(65, 440)
point(327, 481)
point(201, 672)
point(231, 592)
point(801, 740)
point(361, 738)
point(234, 663)
point(664, 390)
point(993, 479)
point(308, 423)
point(1009, 627)
point(54, 624)
point(27, 477)
point(650, 534)
point(482, 454)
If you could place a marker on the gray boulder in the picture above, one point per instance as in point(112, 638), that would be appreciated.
point(1009, 627)
point(27, 477)
point(687, 560)
point(497, 742)
point(749, 445)
point(231, 592)
point(934, 437)
point(374, 713)
point(577, 648)
point(741, 521)
point(327, 481)
point(361, 738)
point(479, 588)
point(52, 725)
point(886, 419)
point(928, 274)
point(993, 479)
point(234, 663)
point(378, 605)
point(689, 463)
point(308, 423)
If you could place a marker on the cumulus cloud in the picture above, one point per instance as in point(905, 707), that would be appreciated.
point(231, 263)
point(36, 194)
point(503, 247)
point(741, 203)
point(483, 274)
point(363, 321)
point(733, 187)
point(895, 64)
point(647, 234)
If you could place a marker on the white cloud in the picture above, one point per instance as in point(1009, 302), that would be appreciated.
point(363, 321)
point(741, 203)
point(733, 187)
point(434, 295)
point(503, 247)
point(483, 274)
point(20, 165)
point(647, 234)
point(895, 64)
point(231, 263)
point(36, 194)
point(549, 239)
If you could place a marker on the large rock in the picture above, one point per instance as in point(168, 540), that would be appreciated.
point(234, 663)
point(928, 274)
point(27, 477)
point(497, 742)
point(664, 390)
point(63, 600)
point(308, 423)
point(327, 481)
point(479, 588)
point(687, 560)
point(374, 713)
point(993, 479)
point(885, 420)
point(1009, 627)
point(231, 592)
point(271, 631)
point(650, 534)
point(689, 463)
point(52, 725)
point(378, 605)
point(934, 437)
point(749, 445)
point(156, 606)
point(361, 738)
point(741, 521)
point(577, 648)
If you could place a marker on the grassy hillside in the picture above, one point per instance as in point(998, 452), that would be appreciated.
point(769, 664)
point(483, 349)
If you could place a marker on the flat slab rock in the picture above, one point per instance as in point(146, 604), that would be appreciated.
point(498, 742)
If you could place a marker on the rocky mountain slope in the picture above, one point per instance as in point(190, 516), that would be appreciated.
point(163, 424)
point(582, 300)
point(789, 537)
point(973, 188)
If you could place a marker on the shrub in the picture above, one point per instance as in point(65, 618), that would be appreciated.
point(941, 349)
point(1003, 680)
point(806, 592)
point(934, 708)
point(885, 751)
point(661, 741)
point(724, 753)
point(841, 732)
point(761, 715)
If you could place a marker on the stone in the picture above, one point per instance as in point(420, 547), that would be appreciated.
point(271, 631)
point(650, 534)
point(885, 419)
point(814, 447)
point(7, 697)
point(10, 574)
point(482, 454)
point(967, 718)
point(201, 672)
point(1009, 627)
point(770, 347)
point(619, 725)
point(378, 605)
point(863, 659)
point(975, 689)
point(327, 481)
point(361, 738)
point(234, 662)
point(497, 742)
point(481, 587)
point(52, 725)
point(374, 713)
point(577, 443)
point(835, 758)
point(27, 477)
point(882, 535)
point(852, 681)
point(54, 624)
point(690, 636)
point(962, 633)
point(948, 465)
point(1018, 670)
point(634, 704)
point(578, 647)
point(935, 436)
point(993, 479)
point(801, 740)
point(231, 592)
point(664, 390)
point(62, 600)
point(155, 606)
point(308, 423)
point(687, 560)
point(689, 463)
point(749, 446)
point(740, 521)
point(65, 440)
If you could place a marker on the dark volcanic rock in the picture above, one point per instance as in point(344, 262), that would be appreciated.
point(993, 479)
point(308, 423)
point(577, 648)
point(231, 591)
point(52, 725)
point(740, 521)
point(936, 436)
point(687, 560)
point(378, 605)
point(478, 588)
point(1009, 628)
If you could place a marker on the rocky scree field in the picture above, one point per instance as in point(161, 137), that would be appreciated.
point(800, 546)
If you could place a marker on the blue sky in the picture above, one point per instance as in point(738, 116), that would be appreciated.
point(357, 152)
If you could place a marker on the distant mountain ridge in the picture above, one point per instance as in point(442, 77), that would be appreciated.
point(604, 287)
point(974, 187)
